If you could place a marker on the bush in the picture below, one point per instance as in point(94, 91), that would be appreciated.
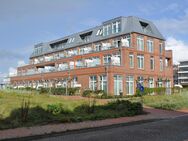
point(125, 106)
point(44, 90)
point(72, 91)
point(86, 93)
point(97, 93)
point(57, 109)
point(147, 91)
point(58, 91)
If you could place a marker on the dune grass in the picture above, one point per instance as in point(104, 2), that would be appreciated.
point(168, 102)
point(45, 109)
point(12, 99)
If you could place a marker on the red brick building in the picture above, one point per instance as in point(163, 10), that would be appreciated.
point(114, 57)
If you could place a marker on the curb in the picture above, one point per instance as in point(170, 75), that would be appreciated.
point(67, 132)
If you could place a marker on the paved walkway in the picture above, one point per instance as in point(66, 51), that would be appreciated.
point(55, 128)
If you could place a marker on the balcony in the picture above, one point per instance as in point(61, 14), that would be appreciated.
point(82, 51)
point(182, 77)
point(182, 71)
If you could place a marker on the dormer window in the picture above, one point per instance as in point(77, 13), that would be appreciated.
point(71, 40)
point(59, 45)
point(146, 27)
point(99, 32)
point(106, 30)
point(116, 27)
point(86, 36)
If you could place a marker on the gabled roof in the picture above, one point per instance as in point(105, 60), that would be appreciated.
point(128, 25)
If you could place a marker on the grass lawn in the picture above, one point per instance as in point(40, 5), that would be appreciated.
point(44, 109)
point(168, 102)
point(12, 99)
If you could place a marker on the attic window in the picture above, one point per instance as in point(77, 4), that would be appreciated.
point(71, 40)
point(99, 32)
point(86, 36)
point(145, 27)
point(59, 44)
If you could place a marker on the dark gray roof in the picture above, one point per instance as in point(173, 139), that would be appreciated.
point(128, 25)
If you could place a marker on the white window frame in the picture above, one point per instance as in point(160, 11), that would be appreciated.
point(160, 48)
point(130, 85)
point(93, 82)
point(118, 83)
point(151, 82)
point(153, 65)
point(107, 59)
point(106, 30)
point(131, 60)
point(150, 46)
point(140, 43)
point(161, 64)
point(103, 80)
point(116, 27)
point(140, 61)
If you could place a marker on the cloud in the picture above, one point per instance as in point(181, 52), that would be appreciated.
point(21, 63)
point(180, 49)
point(12, 71)
point(174, 26)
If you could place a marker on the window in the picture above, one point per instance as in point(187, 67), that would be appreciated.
point(63, 66)
point(92, 62)
point(140, 61)
point(118, 84)
point(93, 82)
point(116, 59)
point(150, 46)
point(140, 43)
point(107, 59)
point(74, 81)
point(117, 43)
point(130, 85)
point(79, 64)
point(152, 64)
point(106, 30)
point(71, 40)
point(160, 82)
point(131, 60)
point(99, 32)
point(97, 47)
point(85, 50)
point(151, 82)
point(71, 64)
point(128, 40)
point(168, 84)
point(161, 64)
point(103, 83)
point(116, 27)
point(161, 48)
point(140, 80)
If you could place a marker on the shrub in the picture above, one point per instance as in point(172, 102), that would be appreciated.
point(44, 90)
point(86, 93)
point(97, 93)
point(72, 91)
point(58, 91)
point(55, 108)
point(62, 91)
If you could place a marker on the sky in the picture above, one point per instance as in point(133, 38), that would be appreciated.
point(24, 23)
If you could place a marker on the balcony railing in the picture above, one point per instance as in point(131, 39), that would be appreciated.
point(63, 69)
point(66, 55)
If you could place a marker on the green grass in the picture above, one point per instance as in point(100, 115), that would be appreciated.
point(12, 99)
point(46, 109)
point(168, 102)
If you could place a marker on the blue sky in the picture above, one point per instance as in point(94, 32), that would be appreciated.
point(24, 23)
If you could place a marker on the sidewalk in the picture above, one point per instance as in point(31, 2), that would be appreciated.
point(63, 127)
